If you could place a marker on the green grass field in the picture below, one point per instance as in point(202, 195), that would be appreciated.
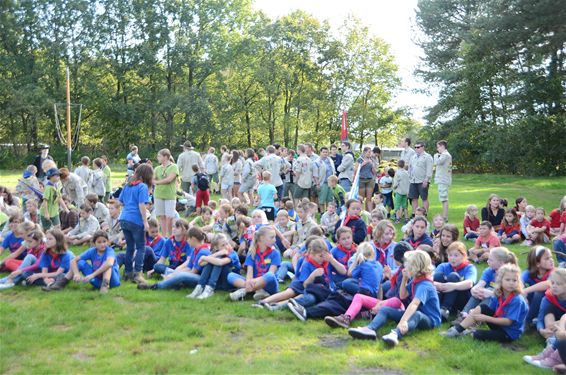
point(130, 331)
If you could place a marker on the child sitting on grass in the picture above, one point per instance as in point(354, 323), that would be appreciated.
point(486, 241)
point(504, 314)
point(97, 266)
point(85, 229)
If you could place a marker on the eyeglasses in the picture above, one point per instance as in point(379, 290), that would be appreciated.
point(418, 146)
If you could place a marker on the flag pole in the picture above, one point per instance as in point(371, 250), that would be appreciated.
point(69, 146)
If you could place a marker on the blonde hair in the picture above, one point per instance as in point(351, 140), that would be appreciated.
point(380, 229)
point(261, 232)
point(263, 215)
point(316, 245)
point(559, 275)
point(418, 263)
point(214, 243)
point(365, 252)
point(508, 268)
point(503, 255)
point(459, 247)
point(469, 210)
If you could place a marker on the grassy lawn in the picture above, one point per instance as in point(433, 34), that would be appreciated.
point(130, 331)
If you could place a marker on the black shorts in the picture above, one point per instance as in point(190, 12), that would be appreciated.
point(416, 190)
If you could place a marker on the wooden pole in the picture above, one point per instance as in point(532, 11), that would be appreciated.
point(69, 145)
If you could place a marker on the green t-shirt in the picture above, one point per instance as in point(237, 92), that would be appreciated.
point(339, 195)
point(169, 191)
point(199, 222)
point(108, 174)
point(51, 196)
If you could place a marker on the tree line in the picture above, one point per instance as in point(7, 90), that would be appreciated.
point(154, 73)
point(500, 68)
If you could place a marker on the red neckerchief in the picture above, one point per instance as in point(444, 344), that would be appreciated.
point(136, 182)
point(37, 251)
point(348, 218)
point(544, 277)
point(415, 243)
point(198, 249)
point(344, 260)
point(55, 257)
point(260, 265)
point(324, 266)
point(417, 281)
point(155, 240)
point(460, 266)
point(395, 276)
point(501, 304)
point(554, 300)
point(178, 249)
point(381, 249)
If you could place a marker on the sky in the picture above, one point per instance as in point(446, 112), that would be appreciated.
point(391, 20)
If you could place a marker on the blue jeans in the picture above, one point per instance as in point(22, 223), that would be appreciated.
point(271, 284)
point(456, 299)
point(180, 279)
point(162, 269)
point(473, 302)
point(215, 276)
point(285, 267)
point(417, 321)
point(148, 262)
point(306, 300)
point(86, 269)
point(560, 247)
point(346, 184)
point(135, 243)
point(351, 286)
point(534, 299)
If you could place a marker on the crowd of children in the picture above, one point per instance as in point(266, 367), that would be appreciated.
point(344, 266)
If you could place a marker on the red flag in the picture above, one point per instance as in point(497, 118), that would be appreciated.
point(344, 131)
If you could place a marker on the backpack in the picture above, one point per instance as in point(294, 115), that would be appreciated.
point(202, 181)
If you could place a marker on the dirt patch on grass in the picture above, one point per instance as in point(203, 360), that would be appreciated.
point(61, 327)
point(373, 370)
point(333, 341)
point(83, 357)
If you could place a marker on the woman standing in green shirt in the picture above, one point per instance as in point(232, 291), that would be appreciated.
point(52, 198)
point(165, 193)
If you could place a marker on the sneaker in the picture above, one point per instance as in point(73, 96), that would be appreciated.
point(299, 311)
point(275, 306)
point(367, 315)
point(128, 276)
point(7, 285)
point(362, 333)
point(445, 313)
point(259, 305)
point(293, 302)
point(146, 286)
point(342, 320)
point(104, 287)
point(527, 243)
point(537, 357)
point(391, 339)
point(137, 278)
point(196, 292)
point(459, 319)
point(551, 360)
point(207, 293)
point(238, 295)
point(57, 285)
point(261, 294)
point(452, 332)
point(290, 275)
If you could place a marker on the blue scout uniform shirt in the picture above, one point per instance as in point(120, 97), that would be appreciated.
point(369, 274)
point(262, 267)
point(195, 256)
point(430, 305)
point(53, 262)
point(176, 251)
point(467, 273)
point(489, 276)
point(516, 310)
point(131, 197)
point(156, 244)
point(98, 260)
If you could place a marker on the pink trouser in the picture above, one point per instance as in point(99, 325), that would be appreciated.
point(362, 301)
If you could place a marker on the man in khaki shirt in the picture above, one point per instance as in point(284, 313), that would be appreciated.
point(185, 163)
point(420, 174)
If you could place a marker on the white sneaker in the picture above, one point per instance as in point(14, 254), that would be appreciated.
point(291, 275)
point(7, 285)
point(207, 293)
point(275, 306)
point(452, 332)
point(196, 292)
point(392, 339)
point(261, 294)
point(238, 295)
